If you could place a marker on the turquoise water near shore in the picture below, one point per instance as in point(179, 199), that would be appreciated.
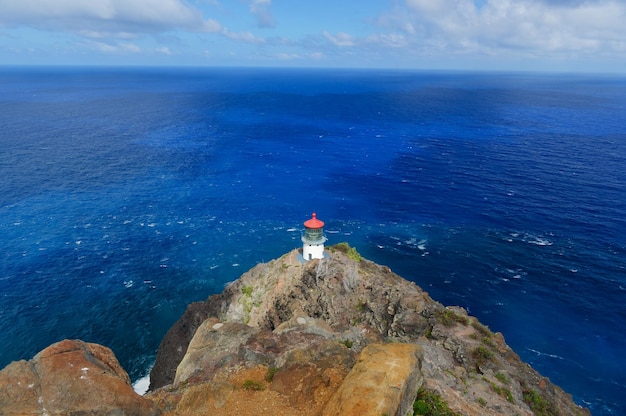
point(126, 194)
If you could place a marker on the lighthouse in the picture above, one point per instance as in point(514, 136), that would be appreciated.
point(313, 239)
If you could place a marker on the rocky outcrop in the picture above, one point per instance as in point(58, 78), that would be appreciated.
point(70, 378)
point(335, 336)
point(282, 308)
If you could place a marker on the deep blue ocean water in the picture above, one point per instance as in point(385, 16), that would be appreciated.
point(126, 194)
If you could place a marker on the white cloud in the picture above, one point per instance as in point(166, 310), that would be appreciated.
point(261, 10)
point(247, 37)
point(121, 48)
point(541, 26)
point(391, 40)
point(340, 39)
point(164, 50)
point(102, 16)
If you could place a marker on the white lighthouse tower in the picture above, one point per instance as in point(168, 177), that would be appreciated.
point(313, 239)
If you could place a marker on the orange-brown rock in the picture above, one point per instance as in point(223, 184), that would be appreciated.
point(384, 380)
point(70, 377)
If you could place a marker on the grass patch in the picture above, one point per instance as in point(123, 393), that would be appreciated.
point(538, 404)
point(502, 378)
point(348, 251)
point(247, 290)
point(489, 342)
point(271, 372)
point(429, 403)
point(448, 317)
point(253, 385)
point(503, 392)
point(347, 343)
point(482, 355)
point(481, 401)
point(482, 329)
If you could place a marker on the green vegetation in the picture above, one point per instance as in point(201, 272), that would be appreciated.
point(481, 354)
point(538, 404)
point(504, 392)
point(482, 329)
point(247, 290)
point(448, 317)
point(253, 385)
point(347, 343)
point(502, 378)
point(349, 251)
point(246, 302)
point(481, 401)
point(429, 403)
point(489, 342)
point(271, 372)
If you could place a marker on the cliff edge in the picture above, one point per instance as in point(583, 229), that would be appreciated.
point(335, 336)
point(294, 336)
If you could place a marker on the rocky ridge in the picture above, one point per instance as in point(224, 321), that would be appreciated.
point(335, 336)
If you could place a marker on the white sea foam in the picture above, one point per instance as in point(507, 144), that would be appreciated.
point(142, 385)
point(540, 242)
point(543, 354)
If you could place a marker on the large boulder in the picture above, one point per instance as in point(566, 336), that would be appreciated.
point(70, 378)
point(385, 380)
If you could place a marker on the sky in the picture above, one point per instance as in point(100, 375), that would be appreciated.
point(541, 35)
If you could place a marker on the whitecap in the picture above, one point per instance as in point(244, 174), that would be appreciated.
point(540, 242)
point(543, 354)
point(291, 230)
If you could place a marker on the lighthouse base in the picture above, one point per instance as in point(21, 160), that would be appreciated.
point(302, 260)
point(313, 251)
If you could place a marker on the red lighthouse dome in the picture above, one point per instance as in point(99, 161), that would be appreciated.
point(314, 223)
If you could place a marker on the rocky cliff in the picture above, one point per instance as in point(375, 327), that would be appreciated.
point(336, 336)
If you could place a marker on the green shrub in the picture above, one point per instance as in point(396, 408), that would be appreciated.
point(348, 251)
point(448, 317)
point(347, 343)
point(481, 401)
point(504, 392)
point(429, 403)
point(481, 354)
point(253, 385)
point(247, 290)
point(271, 372)
point(502, 378)
point(482, 329)
point(538, 404)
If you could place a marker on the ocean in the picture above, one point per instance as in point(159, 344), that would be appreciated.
point(127, 193)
